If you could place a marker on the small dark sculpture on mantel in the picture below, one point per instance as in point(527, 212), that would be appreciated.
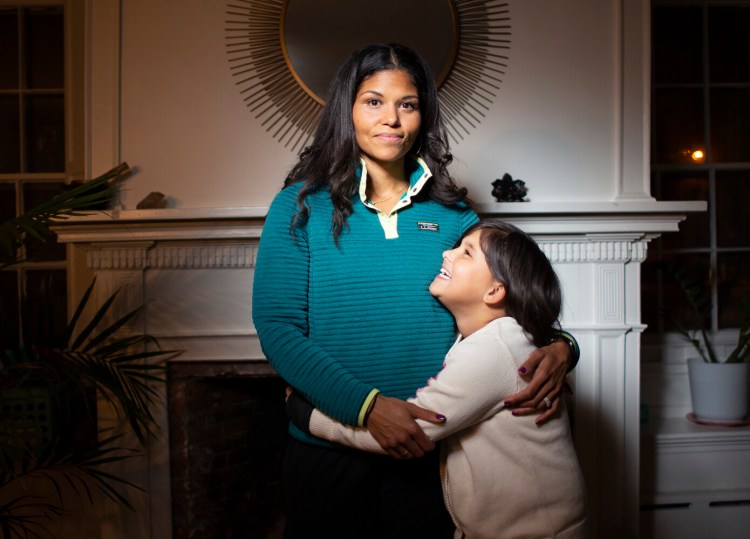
point(508, 189)
point(154, 200)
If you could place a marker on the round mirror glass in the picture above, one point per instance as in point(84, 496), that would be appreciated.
point(318, 35)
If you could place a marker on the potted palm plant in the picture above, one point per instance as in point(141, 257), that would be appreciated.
point(718, 381)
point(49, 440)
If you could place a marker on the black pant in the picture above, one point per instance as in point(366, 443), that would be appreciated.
point(343, 493)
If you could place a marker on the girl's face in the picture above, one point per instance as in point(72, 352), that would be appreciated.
point(465, 277)
point(386, 116)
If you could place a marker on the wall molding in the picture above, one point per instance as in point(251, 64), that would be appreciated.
point(138, 257)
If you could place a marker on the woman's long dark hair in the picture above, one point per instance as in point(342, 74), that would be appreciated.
point(532, 290)
point(331, 160)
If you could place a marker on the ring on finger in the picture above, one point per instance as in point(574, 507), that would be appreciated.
point(547, 402)
point(404, 452)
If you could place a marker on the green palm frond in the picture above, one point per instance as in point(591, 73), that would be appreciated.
point(35, 222)
point(95, 355)
point(79, 472)
point(124, 370)
point(118, 367)
point(24, 516)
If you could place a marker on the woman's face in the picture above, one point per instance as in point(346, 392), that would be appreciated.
point(386, 116)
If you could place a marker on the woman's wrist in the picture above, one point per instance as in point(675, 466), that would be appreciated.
point(573, 348)
point(367, 407)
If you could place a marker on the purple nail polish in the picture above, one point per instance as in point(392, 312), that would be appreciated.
point(522, 370)
point(440, 417)
point(514, 413)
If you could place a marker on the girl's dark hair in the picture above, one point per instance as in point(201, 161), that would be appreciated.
point(331, 160)
point(532, 290)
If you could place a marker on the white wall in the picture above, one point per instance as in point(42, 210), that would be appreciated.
point(184, 122)
point(553, 124)
point(174, 112)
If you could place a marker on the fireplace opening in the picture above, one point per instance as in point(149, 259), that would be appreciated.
point(227, 429)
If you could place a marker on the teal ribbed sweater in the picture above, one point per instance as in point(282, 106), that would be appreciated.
point(337, 321)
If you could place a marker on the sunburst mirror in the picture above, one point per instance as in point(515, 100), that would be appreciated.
point(284, 53)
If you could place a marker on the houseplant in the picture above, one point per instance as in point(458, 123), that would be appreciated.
point(49, 441)
point(718, 381)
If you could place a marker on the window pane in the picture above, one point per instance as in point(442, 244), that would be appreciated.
point(44, 48)
point(33, 195)
point(678, 124)
point(45, 312)
point(45, 133)
point(7, 201)
point(8, 48)
point(677, 309)
point(677, 44)
point(733, 201)
point(10, 152)
point(730, 125)
point(694, 231)
point(8, 253)
point(673, 299)
point(650, 293)
point(734, 287)
point(729, 43)
point(8, 310)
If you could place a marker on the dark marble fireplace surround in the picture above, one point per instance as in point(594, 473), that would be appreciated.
point(227, 432)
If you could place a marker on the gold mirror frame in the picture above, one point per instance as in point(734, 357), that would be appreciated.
point(289, 111)
point(313, 56)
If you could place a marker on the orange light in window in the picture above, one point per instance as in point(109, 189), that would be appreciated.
point(697, 156)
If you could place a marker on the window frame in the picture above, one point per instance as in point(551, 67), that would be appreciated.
point(72, 92)
point(710, 168)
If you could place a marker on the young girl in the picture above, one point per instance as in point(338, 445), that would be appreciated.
point(502, 476)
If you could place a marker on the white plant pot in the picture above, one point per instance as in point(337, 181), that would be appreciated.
point(718, 391)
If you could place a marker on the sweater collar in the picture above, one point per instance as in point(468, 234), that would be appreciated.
point(416, 170)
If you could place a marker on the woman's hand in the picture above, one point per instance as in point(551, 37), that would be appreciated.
point(547, 366)
point(391, 423)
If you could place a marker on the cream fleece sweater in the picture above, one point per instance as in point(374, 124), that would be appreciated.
point(503, 476)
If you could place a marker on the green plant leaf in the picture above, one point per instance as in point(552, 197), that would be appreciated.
point(123, 369)
point(700, 305)
point(86, 332)
point(78, 469)
point(78, 311)
point(741, 351)
point(35, 222)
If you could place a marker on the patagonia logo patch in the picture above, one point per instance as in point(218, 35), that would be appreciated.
point(434, 227)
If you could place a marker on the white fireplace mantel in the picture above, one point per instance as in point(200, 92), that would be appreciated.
point(646, 217)
point(193, 269)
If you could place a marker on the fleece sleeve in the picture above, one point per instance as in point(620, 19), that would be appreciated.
point(280, 307)
point(470, 388)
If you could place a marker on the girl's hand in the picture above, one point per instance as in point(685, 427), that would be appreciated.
point(391, 423)
point(547, 367)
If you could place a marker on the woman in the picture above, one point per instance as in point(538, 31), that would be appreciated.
point(347, 246)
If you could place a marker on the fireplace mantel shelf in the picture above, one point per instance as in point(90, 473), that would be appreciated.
point(591, 219)
point(491, 208)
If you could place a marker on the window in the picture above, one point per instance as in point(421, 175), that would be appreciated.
point(32, 162)
point(700, 150)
